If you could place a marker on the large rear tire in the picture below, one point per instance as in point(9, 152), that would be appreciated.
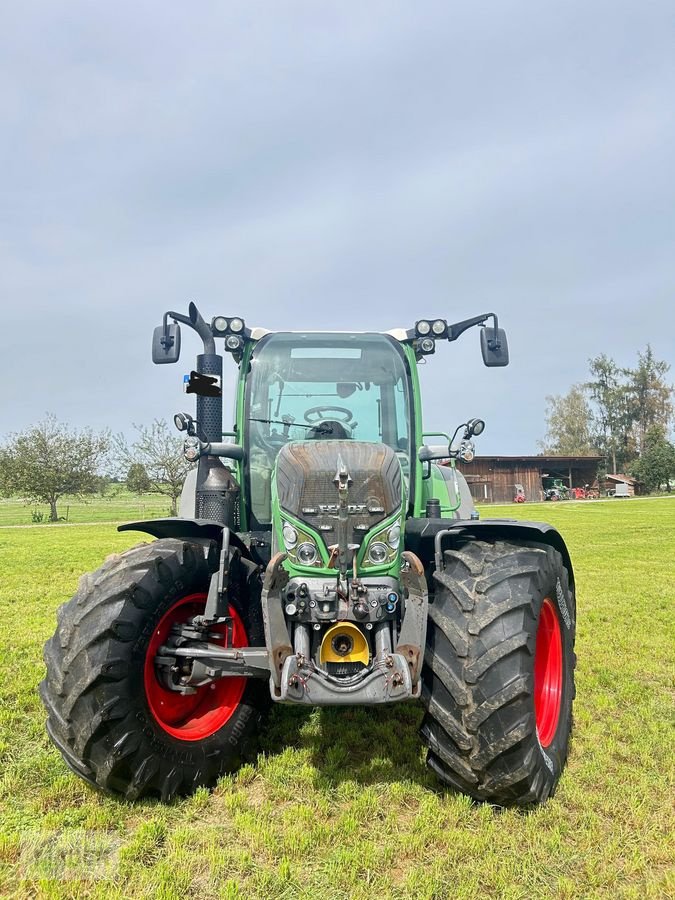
point(113, 721)
point(498, 680)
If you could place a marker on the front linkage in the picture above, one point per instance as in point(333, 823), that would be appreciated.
point(394, 672)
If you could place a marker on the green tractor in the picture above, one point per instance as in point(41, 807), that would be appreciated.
point(323, 555)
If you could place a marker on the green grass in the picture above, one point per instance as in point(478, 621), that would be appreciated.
point(339, 803)
point(118, 505)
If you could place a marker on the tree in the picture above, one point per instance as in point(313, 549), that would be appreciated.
point(160, 453)
point(49, 459)
point(137, 479)
point(656, 465)
point(613, 414)
point(569, 424)
point(651, 397)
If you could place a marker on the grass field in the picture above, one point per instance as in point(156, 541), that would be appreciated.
point(339, 803)
point(118, 505)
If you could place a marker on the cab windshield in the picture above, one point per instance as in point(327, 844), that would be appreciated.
point(304, 387)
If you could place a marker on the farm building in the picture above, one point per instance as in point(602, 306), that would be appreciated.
point(610, 483)
point(492, 479)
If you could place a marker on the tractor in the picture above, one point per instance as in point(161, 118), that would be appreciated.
point(322, 555)
point(555, 489)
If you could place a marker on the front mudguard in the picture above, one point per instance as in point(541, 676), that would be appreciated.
point(421, 536)
point(201, 530)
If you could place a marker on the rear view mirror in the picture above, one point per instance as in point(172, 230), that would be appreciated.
point(166, 344)
point(345, 389)
point(494, 346)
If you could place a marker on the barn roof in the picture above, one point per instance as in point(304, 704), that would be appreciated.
point(544, 460)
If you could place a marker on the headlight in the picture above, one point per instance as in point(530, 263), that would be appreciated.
point(378, 553)
point(306, 554)
point(232, 342)
point(423, 327)
point(236, 325)
point(290, 536)
point(439, 327)
point(383, 547)
point(302, 548)
point(394, 536)
point(220, 323)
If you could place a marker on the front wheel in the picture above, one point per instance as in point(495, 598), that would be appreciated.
point(115, 722)
point(498, 681)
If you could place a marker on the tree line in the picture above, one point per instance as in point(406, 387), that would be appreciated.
point(622, 413)
point(50, 460)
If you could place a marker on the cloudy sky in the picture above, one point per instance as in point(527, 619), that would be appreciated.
point(333, 165)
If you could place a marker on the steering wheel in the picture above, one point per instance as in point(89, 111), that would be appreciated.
point(317, 413)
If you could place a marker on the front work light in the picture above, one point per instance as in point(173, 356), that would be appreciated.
point(221, 325)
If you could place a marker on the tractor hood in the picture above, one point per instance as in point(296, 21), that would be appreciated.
point(307, 490)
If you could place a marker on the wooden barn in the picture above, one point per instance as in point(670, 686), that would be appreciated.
point(620, 485)
point(493, 479)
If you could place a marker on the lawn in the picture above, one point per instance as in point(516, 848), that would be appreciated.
point(117, 505)
point(339, 804)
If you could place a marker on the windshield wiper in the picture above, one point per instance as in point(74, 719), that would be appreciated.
point(316, 428)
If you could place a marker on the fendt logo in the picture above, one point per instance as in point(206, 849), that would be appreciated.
point(352, 508)
point(334, 508)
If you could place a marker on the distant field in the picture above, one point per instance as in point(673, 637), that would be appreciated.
point(117, 506)
point(340, 803)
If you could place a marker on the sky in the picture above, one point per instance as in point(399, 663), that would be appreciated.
point(333, 165)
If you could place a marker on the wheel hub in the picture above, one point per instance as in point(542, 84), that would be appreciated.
point(199, 714)
point(548, 673)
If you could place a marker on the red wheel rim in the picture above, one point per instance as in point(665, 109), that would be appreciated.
point(548, 674)
point(193, 717)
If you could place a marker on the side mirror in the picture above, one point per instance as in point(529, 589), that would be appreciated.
point(166, 344)
point(494, 346)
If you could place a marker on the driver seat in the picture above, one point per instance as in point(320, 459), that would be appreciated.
point(328, 430)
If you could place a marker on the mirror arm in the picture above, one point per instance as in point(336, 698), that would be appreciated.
point(194, 321)
point(177, 318)
point(167, 339)
point(454, 331)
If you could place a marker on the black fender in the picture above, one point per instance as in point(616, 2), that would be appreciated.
point(189, 529)
point(420, 535)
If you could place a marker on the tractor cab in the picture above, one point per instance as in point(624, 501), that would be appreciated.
point(321, 387)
